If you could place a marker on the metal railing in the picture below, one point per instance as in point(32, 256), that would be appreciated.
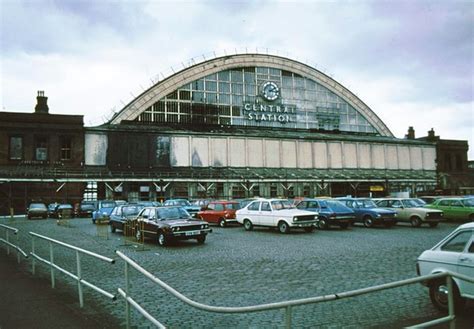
point(286, 305)
point(6, 241)
point(78, 276)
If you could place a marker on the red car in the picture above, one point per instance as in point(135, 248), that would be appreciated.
point(219, 212)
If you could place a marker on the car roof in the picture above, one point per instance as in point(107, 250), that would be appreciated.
point(467, 225)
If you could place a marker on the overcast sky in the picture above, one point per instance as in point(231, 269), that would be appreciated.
point(411, 62)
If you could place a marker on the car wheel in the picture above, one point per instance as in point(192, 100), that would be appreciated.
point(283, 227)
point(323, 224)
point(138, 235)
point(248, 225)
point(415, 221)
point(201, 239)
point(112, 228)
point(434, 224)
point(222, 222)
point(162, 239)
point(309, 229)
point(368, 221)
point(439, 296)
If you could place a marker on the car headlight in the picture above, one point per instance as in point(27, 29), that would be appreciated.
point(427, 215)
point(177, 228)
point(395, 215)
point(378, 216)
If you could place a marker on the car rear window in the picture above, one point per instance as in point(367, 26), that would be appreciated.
point(108, 204)
point(37, 206)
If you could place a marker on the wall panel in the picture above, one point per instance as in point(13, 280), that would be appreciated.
point(288, 154)
point(350, 155)
point(272, 153)
point(255, 153)
point(237, 152)
point(179, 152)
point(305, 155)
point(95, 149)
point(320, 154)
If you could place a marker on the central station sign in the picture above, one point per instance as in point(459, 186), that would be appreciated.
point(269, 112)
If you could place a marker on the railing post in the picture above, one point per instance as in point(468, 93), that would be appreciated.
point(288, 317)
point(79, 278)
point(127, 287)
point(18, 249)
point(51, 259)
point(33, 263)
point(449, 281)
point(8, 240)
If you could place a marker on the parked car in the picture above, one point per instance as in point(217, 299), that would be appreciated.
point(165, 224)
point(455, 208)
point(37, 209)
point(454, 253)
point(149, 203)
point(409, 211)
point(192, 210)
point(219, 212)
point(52, 209)
point(85, 209)
point(201, 203)
point(122, 214)
point(102, 213)
point(429, 199)
point(276, 213)
point(64, 210)
point(367, 212)
point(331, 212)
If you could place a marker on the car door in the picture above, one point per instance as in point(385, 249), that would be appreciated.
point(253, 212)
point(457, 210)
point(466, 267)
point(265, 215)
point(444, 205)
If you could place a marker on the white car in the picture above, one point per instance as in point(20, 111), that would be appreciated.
point(409, 211)
point(276, 213)
point(454, 253)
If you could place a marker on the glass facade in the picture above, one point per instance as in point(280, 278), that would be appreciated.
point(236, 97)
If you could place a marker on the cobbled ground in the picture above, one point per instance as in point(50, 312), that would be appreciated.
point(239, 268)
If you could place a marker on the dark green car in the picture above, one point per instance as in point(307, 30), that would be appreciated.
point(455, 208)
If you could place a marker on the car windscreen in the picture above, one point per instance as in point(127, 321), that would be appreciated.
point(468, 202)
point(183, 203)
point(407, 203)
point(172, 213)
point(108, 204)
point(234, 206)
point(37, 206)
point(336, 206)
point(87, 206)
point(282, 204)
point(366, 204)
point(131, 210)
point(65, 206)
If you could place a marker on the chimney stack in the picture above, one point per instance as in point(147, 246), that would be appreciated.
point(41, 103)
point(411, 133)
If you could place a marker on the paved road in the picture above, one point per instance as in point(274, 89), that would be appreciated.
point(238, 268)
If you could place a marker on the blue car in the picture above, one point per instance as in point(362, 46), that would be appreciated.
point(369, 214)
point(191, 209)
point(331, 212)
point(103, 211)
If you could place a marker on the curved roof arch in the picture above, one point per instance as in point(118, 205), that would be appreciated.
point(137, 106)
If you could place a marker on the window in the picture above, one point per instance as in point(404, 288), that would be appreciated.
point(254, 206)
point(396, 204)
point(219, 207)
point(458, 243)
point(41, 148)
point(65, 144)
point(16, 148)
point(266, 206)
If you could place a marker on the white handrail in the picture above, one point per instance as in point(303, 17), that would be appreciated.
point(9, 244)
point(78, 275)
point(297, 302)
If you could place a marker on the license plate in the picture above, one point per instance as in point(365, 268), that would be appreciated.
point(192, 233)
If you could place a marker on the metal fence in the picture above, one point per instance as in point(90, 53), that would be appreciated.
point(286, 305)
point(6, 241)
point(78, 276)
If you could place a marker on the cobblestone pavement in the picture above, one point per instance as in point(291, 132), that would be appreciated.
point(239, 268)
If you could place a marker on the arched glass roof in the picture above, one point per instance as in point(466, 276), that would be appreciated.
point(253, 90)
